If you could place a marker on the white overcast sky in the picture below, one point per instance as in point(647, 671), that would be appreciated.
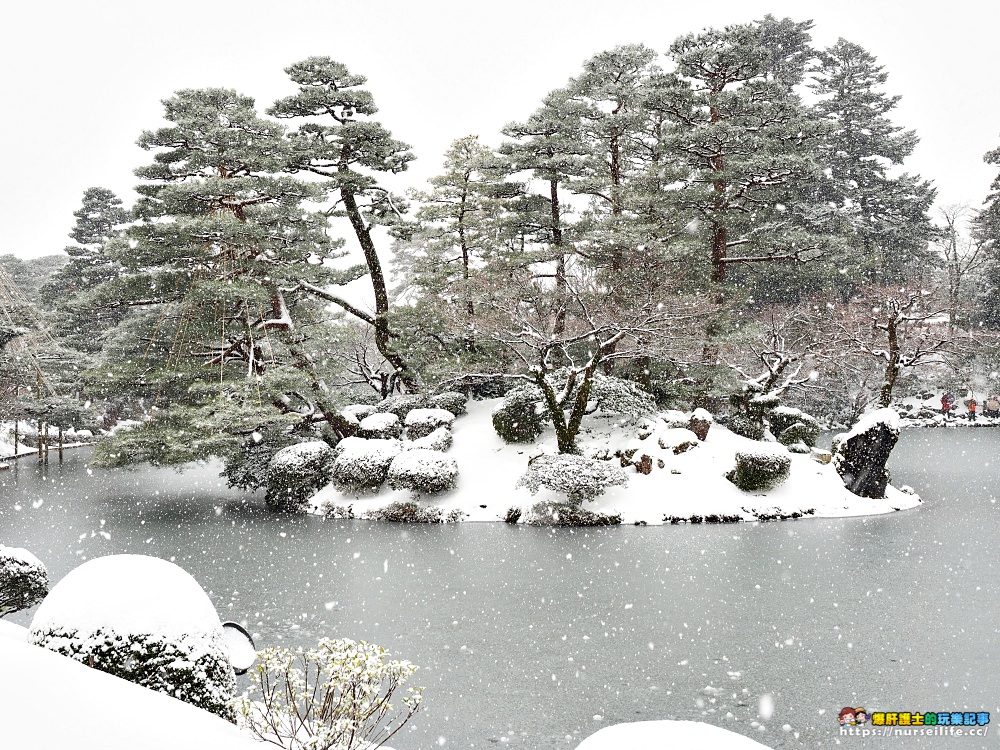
point(82, 78)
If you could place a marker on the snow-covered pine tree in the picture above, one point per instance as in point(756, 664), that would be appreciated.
point(350, 153)
point(219, 349)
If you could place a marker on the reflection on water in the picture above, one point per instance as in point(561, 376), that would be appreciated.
point(526, 635)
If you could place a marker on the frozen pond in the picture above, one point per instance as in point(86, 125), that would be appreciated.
point(536, 638)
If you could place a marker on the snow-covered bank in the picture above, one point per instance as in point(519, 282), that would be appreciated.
point(654, 735)
point(683, 484)
point(56, 703)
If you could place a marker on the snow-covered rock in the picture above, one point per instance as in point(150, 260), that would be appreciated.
point(422, 422)
point(659, 735)
point(363, 464)
point(677, 440)
point(145, 620)
point(423, 470)
point(860, 455)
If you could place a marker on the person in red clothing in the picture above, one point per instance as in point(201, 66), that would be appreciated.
point(972, 404)
point(947, 401)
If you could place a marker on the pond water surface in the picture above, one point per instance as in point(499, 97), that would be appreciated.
point(536, 638)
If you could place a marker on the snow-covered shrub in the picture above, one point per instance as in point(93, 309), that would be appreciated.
point(577, 477)
point(403, 404)
point(409, 511)
point(747, 427)
point(24, 581)
point(516, 419)
point(677, 440)
point(422, 422)
point(453, 401)
point(793, 426)
point(383, 426)
point(674, 418)
point(439, 440)
point(760, 468)
point(423, 470)
point(567, 514)
point(295, 473)
point(144, 620)
point(363, 464)
point(619, 396)
point(341, 695)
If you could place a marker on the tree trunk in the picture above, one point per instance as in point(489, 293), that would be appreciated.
point(382, 331)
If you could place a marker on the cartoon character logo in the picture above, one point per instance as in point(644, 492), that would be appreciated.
point(860, 715)
point(847, 716)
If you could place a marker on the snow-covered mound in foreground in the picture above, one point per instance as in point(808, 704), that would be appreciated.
point(55, 703)
point(145, 620)
point(686, 480)
point(657, 735)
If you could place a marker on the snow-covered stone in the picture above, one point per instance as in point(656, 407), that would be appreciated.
point(860, 455)
point(145, 620)
point(677, 440)
point(423, 470)
point(363, 464)
point(381, 425)
point(422, 422)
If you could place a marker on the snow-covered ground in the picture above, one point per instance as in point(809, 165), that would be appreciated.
point(688, 484)
point(53, 703)
point(657, 735)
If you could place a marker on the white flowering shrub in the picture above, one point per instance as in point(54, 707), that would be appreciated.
point(341, 695)
point(439, 440)
point(382, 425)
point(24, 581)
point(577, 477)
point(295, 473)
point(423, 470)
point(453, 401)
point(760, 468)
point(422, 422)
point(363, 464)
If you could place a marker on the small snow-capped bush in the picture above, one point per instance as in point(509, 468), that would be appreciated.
point(760, 468)
point(577, 477)
point(422, 422)
point(334, 697)
point(747, 427)
point(403, 404)
point(453, 401)
point(619, 396)
point(24, 581)
point(566, 514)
point(295, 473)
point(382, 426)
point(144, 620)
point(363, 464)
point(439, 440)
point(423, 470)
point(793, 426)
point(409, 511)
point(674, 418)
point(516, 419)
